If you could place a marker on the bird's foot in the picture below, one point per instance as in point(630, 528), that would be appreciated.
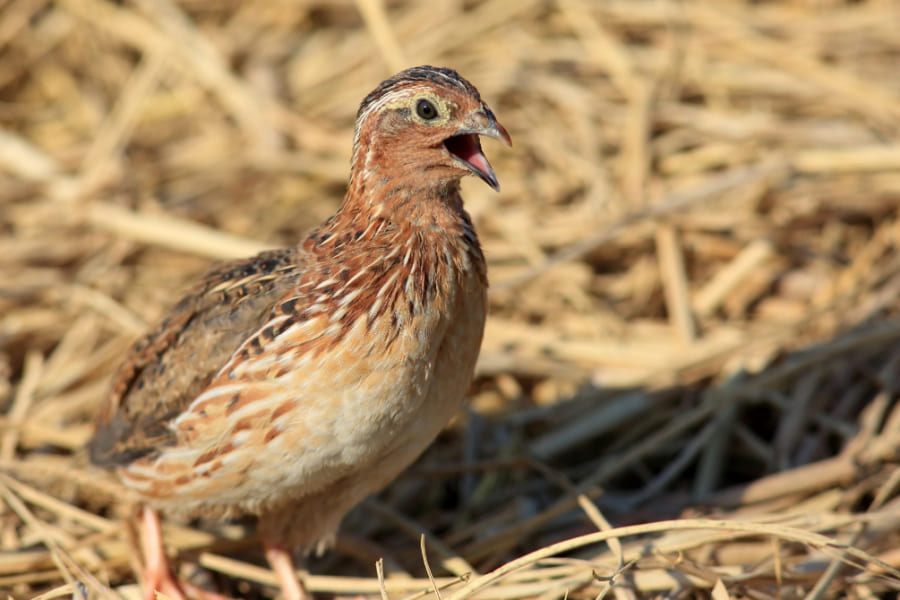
point(158, 576)
point(283, 565)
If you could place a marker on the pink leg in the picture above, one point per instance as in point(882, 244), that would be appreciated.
point(283, 565)
point(157, 572)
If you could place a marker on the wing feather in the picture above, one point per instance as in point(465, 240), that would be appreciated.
point(173, 364)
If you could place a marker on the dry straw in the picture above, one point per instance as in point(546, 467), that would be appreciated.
point(688, 385)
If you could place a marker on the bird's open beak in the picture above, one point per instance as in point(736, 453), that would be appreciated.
point(465, 144)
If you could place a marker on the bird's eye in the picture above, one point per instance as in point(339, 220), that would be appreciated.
point(426, 110)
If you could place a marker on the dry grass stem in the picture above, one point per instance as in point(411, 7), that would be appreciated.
point(688, 385)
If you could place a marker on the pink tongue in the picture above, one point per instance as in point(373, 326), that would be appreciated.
point(479, 161)
point(466, 147)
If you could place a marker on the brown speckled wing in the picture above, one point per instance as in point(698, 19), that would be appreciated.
point(173, 364)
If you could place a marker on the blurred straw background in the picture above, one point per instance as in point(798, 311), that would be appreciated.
point(689, 381)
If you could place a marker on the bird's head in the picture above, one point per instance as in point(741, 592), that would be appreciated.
point(424, 124)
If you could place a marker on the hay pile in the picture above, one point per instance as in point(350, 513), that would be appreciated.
point(695, 326)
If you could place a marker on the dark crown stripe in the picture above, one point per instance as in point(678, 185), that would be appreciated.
point(440, 76)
